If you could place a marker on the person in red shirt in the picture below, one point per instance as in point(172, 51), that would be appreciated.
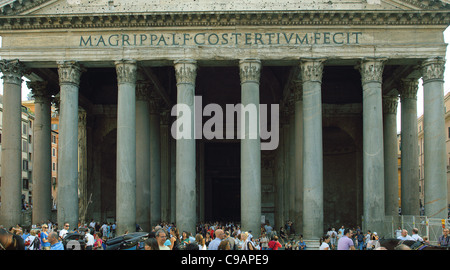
point(274, 244)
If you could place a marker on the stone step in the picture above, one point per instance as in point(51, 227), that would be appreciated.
point(312, 244)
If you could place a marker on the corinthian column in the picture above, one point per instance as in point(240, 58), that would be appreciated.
point(311, 72)
point(155, 158)
point(298, 160)
point(143, 155)
point(11, 206)
point(390, 104)
point(69, 81)
point(186, 216)
point(434, 139)
point(371, 70)
point(250, 70)
point(410, 148)
point(42, 174)
point(126, 146)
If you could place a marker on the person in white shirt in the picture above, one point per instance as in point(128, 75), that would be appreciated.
point(415, 235)
point(90, 240)
point(405, 236)
point(325, 241)
point(64, 231)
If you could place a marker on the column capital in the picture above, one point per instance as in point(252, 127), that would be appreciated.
point(126, 71)
point(154, 102)
point(311, 69)
point(185, 71)
point(250, 70)
point(39, 90)
point(371, 69)
point(433, 69)
point(390, 104)
point(13, 70)
point(69, 72)
point(143, 89)
point(297, 89)
point(408, 88)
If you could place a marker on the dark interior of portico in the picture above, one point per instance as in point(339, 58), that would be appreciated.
point(342, 137)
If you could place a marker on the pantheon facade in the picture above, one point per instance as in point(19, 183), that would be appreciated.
point(115, 69)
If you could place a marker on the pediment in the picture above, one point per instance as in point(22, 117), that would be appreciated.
point(60, 7)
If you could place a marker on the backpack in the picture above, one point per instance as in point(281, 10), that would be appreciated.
point(36, 244)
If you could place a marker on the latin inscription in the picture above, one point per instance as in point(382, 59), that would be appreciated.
point(222, 39)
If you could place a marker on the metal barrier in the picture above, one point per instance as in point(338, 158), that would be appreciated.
point(428, 227)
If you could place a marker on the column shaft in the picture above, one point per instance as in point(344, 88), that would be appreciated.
point(373, 154)
point(155, 161)
point(390, 154)
point(410, 148)
point(436, 201)
point(42, 161)
point(186, 216)
point(250, 147)
point(11, 143)
point(126, 147)
point(67, 206)
point(298, 186)
point(142, 156)
point(311, 71)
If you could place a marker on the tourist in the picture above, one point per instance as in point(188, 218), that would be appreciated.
point(444, 240)
point(274, 244)
point(264, 242)
point(151, 244)
point(200, 241)
point(360, 238)
point(64, 231)
point(345, 242)
point(405, 236)
point(398, 232)
point(98, 245)
point(33, 241)
point(301, 244)
point(224, 245)
point(415, 235)
point(175, 238)
point(90, 240)
point(55, 244)
point(45, 244)
point(373, 243)
point(247, 245)
point(325, 242)
point(161, 238)
point(214, 245)
point(333, 237)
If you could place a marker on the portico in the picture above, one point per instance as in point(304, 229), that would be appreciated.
point(330, 71)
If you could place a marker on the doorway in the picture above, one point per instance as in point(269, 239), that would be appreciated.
point(222, 181)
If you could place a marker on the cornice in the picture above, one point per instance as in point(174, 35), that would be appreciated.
point(215, 19)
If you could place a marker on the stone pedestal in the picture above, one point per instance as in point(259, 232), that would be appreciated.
point(390, 104)
point(311, 72)
point(69, 80)
point(436, 201)
point(410, 148)
point(126, 147)
point(42, 158)
point(373, 155)
point(10, 210)
point(186, 216)
point(250, 70)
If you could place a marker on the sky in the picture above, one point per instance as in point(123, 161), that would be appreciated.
point(25, 90)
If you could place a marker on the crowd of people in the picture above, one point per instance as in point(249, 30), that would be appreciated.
point(210, 236)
